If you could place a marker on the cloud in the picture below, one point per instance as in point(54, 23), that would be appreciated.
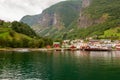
point(11, 10)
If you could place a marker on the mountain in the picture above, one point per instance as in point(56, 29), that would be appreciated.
point(61, 14)
point(76, 19)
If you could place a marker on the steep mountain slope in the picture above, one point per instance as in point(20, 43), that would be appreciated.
point(61, 14)
point(55, 18)
point(77, 19)
point(30, 20)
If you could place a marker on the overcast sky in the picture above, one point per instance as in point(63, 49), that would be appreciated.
point(11, 10)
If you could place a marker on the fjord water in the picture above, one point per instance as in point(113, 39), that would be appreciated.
point(78, 65)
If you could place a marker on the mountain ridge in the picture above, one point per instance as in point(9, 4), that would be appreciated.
point(56, 13)
point(78, 19)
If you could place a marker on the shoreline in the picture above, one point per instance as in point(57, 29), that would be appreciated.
point(23, 49)
point(41, 49)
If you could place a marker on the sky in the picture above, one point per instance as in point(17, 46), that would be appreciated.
point(11, 10)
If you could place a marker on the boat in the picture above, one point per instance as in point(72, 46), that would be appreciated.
point(97, 48)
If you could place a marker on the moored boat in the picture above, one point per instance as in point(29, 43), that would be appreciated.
point(97, 48)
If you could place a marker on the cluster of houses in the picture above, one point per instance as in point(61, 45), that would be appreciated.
point(103, 44)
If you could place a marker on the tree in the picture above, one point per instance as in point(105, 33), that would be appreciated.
point(23, 28)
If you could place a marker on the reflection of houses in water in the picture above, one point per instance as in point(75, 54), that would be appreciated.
point(107, 56)
point(101, 57)
point(81, 53)
point(116, 54)
point(100, 54)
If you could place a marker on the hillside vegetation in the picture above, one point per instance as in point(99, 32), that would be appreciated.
point(20, 35)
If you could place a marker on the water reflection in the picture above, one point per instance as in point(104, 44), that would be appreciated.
point(96, 54)
point(75, 65)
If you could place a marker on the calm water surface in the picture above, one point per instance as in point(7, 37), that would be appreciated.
point(78, 65)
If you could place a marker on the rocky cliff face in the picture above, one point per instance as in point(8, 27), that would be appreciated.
point(58, 15)
point(85, 3)
point(85, 20)
point(62, 15)
point(50, 20)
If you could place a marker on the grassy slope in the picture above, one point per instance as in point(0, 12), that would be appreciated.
point(112, 33)
point(5, 34)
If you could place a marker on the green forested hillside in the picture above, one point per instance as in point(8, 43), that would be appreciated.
point(19, 35)
point(23, 28)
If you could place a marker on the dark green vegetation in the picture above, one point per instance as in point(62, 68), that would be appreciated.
point(23, 28)
point(100, 16)
point(20, 35)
